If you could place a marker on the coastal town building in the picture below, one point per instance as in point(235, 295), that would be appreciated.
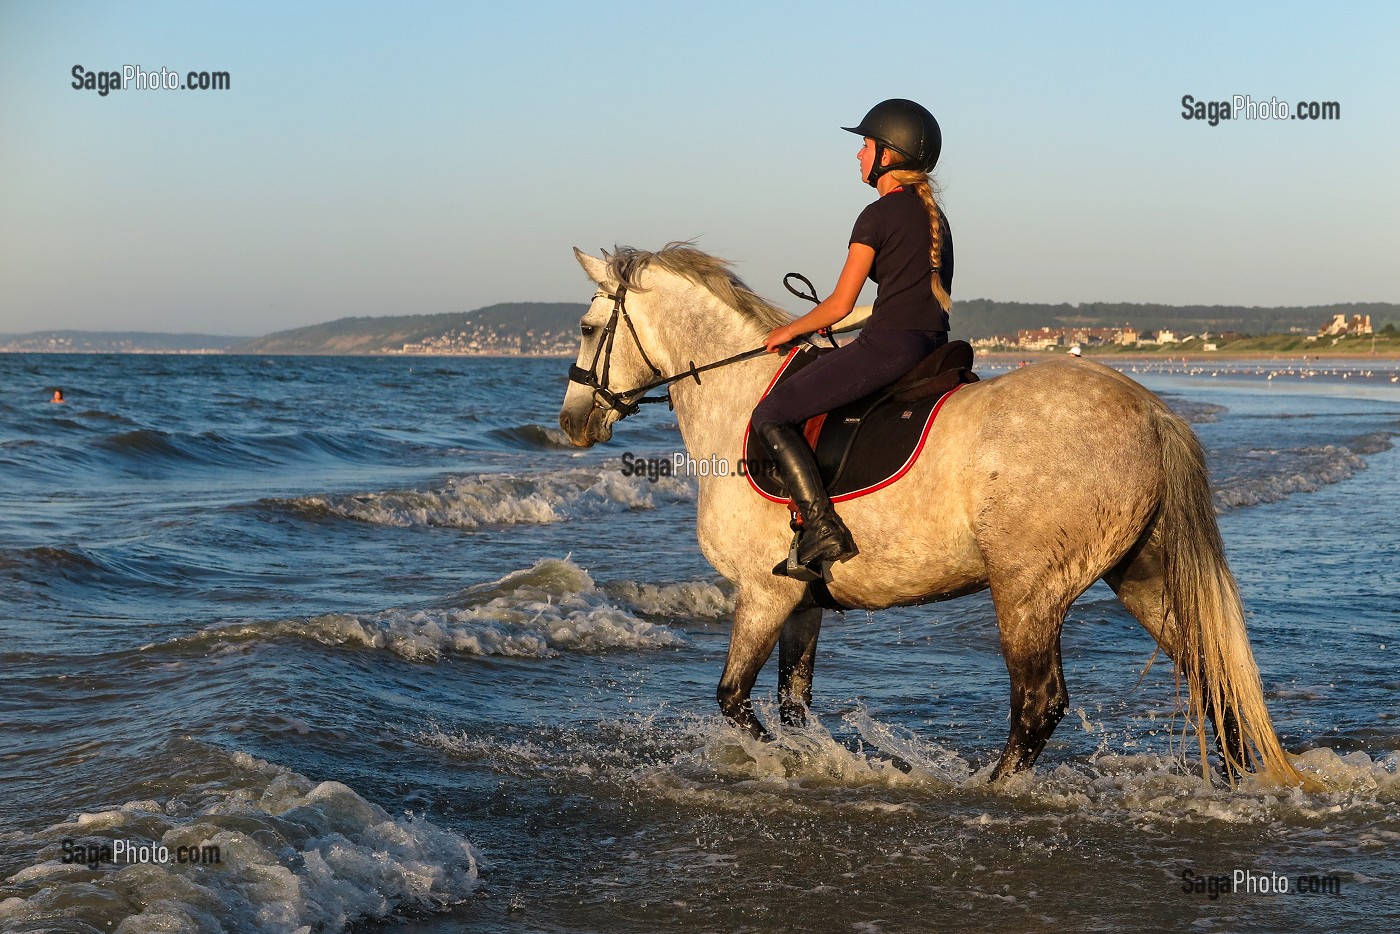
point(1340, 326)
point(1047, 338)
point(486, 340)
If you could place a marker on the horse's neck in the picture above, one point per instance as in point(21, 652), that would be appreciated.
point(712, 413)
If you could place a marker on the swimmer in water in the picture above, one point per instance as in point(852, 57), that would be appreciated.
point(58, 396)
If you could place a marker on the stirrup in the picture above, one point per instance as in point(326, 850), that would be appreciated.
point(838, 537)
point(789, 567)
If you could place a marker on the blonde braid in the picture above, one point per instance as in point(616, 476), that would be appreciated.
point(923, 186)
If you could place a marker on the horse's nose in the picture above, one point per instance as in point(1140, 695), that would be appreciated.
point(575, 425)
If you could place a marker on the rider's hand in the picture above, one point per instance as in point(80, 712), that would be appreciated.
point(777, 337)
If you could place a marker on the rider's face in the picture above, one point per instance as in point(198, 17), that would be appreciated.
point(866, 157)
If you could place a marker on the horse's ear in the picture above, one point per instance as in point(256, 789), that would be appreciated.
point(596, 268)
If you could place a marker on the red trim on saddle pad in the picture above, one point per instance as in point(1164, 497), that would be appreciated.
point(811, 434)
point(748, 425)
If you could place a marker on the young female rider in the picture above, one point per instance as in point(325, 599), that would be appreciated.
point(902, 242)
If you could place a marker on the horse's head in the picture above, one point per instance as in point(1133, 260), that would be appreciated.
point(654, 316)
point(611, 359)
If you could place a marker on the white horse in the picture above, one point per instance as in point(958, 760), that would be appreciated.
point(1035, 484)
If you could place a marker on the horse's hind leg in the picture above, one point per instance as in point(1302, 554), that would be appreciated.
point(1030, 642)
point(759, 616)
point(1139, 583)
point(797, 656)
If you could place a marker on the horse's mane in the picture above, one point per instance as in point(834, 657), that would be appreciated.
point(625, 264)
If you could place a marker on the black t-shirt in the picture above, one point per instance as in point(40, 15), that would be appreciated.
point(896, 227)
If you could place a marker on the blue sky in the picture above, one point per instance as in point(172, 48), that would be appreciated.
point(418, 158)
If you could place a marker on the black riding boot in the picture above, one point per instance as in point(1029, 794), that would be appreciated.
point(824, 536)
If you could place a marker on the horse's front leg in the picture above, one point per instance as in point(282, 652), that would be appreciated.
point(758, 620)
point(797, 656)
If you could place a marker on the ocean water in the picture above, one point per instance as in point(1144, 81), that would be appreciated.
point(411, 663)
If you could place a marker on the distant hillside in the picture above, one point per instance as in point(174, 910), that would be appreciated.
point(541, 328)
point(980, 317)
point(114, 342)
point(552, 328)
point(513, 327)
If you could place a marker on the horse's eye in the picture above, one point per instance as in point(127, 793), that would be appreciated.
point(587, 329)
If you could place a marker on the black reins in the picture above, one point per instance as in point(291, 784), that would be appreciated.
point(628, 402)
point(811, 296)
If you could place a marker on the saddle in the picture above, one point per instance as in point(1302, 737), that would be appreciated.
point(867, 444)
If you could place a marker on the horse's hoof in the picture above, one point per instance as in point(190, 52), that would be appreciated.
point(794, 715)
point(749, 724)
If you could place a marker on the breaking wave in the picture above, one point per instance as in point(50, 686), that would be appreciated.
point(695, 599)
point(292, 855)
point(551, 608)
point(1272, 475)
point(499, 499)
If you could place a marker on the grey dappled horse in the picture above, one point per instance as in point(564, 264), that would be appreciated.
point(1035, 483)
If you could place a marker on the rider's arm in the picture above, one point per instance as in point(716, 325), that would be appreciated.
point(838, 305)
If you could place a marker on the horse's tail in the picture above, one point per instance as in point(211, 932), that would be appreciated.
point(1203, 603)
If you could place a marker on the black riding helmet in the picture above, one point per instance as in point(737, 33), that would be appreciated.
point(905, 127)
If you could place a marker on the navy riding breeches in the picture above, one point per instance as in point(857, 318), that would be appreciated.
point(875, 359)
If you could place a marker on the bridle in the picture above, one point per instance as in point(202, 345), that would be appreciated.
point(603, 396)
point(629, 401)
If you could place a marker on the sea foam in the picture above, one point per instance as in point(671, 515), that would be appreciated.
point(498, 499)
point(293, 856)
point(550, 608)
point(1277, 474)
point(861, 763)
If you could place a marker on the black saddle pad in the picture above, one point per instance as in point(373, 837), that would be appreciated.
point(867, 444)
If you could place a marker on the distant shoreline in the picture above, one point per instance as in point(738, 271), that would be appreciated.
point(1102, 355)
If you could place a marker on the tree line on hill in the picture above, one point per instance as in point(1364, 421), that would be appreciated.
point(552, 328)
